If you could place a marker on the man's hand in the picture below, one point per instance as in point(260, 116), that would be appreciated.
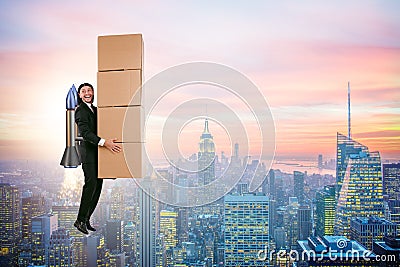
point(112, 146)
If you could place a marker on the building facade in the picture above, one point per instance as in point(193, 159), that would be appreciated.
point(325, 211)
point(10, 223)
point(361, 189)
point(245, 229)
point(367, 230)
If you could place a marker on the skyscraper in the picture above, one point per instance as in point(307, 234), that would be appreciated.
point(272, 190)
point(10, 223)
point(42, 227)
point(359, 181)
point(325, 211)
point(367, 230)
point(147, 241)
point(114, 236)
point(391, 180)
point(304, 222)
point(246, 229)
point(117, 203)
point(61, 249)
point(31, 206)
point(345, 147)
point(391, 189)
point(66, 218)
point(320, 162)
point(291, 223)
point(168, 228)
point(298, 184)
point(206, 157)
point(97, 254)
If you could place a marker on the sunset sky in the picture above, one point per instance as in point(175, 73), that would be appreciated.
point(300, 54)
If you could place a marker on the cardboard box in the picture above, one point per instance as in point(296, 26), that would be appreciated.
point(116, 88)
point(120, 52)
point(114, 165)
point(111, 123)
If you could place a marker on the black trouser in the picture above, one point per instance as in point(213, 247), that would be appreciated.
point(90, 192)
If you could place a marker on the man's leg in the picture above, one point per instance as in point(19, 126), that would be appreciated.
point(96, 197)
point(88, 191)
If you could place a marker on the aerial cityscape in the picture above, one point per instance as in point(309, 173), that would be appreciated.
point(291, 214)
point(297, 167)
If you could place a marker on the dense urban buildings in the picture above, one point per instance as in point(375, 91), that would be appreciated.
point(293, 211)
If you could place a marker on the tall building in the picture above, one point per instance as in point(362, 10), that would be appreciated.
point(114, 236)
point(61, 249)
point(42, 227)
point(325, 211)
point(345, 147)
point(298, 186)
point(147, 231)
point(31, 206)
point(245, 229)
point(272, 190)
point(183, 225)
point(359, 181)
point(391, 180)
point(117, 208)
point(206, 157)
point(367, 230)
point(320, 162)
point(280, 237)
point(129, 242)
point(391, 190)
point(291, 223)
point(168, 228)
point(66, 218)
point(97, 254)
point(304, 222)
point(272, 217)
point(10, 223)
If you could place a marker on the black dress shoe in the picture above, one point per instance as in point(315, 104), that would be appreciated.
point(89, 227)
point(81, 226)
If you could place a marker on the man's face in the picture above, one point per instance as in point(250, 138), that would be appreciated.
point(86, 94)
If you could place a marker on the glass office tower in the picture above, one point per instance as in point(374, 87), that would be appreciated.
point(359, 184)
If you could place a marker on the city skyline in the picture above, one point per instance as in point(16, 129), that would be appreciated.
point(241, 228)
point(301, 57)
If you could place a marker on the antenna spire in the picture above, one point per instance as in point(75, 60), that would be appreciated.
point(348, 110)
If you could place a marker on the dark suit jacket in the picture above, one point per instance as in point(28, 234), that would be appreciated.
point(87, 126)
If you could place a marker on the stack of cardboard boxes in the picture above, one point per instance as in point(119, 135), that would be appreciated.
point(119, 81)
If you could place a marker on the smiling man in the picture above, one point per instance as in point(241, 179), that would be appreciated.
point(86, 119)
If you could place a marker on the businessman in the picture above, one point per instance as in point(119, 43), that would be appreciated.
point(86, 119)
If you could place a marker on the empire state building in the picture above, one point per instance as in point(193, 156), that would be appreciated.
point(206, 157)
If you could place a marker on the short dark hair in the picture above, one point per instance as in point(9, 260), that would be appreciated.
point(79, 90)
